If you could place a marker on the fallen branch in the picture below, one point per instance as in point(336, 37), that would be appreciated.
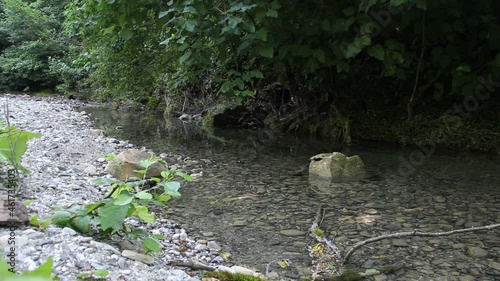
point(323, 239)
point(414, 233)
point(315, 227)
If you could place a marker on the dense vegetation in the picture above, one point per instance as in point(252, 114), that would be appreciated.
point(403, 70)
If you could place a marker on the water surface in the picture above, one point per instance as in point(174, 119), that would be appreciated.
point(250, 179)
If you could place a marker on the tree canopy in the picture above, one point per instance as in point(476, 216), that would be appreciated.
point(293, 62)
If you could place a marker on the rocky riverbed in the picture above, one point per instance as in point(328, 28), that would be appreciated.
point(260, 208)
point(62, 163)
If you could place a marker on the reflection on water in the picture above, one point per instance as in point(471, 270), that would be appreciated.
point(250, 191)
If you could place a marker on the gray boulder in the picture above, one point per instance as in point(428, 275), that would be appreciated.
point(12, 211)
point(124, 164)
point(336, 167)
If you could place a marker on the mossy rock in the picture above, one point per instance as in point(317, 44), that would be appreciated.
point(227, 276)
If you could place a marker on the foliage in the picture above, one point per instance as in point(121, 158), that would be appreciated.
point(227, 276)
point(340, 58)
point(125, 199)
point(98, 274)
point(304, 66)
point(35, 221)
point(36, 52)
point(13, 144)
point(42, 273)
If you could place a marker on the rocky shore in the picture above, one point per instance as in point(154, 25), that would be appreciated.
point(62, 163)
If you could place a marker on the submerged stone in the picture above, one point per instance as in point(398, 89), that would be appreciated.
point(292, 232)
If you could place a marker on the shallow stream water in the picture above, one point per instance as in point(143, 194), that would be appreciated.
point(251, 191)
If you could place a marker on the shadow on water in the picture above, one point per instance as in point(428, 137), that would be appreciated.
point(250, 191)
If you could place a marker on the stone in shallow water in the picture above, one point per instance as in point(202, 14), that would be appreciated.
point(439, 199)
point(399, 243)
point(476, 252)
point(240, 223)
point(371, 212)
point(495, 265)
point(292, 232)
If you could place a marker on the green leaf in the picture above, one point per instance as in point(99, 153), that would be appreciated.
point(93, 206)
point(151, 245)
point(165, 174)
point(81, 224)
point(144, 195)
point(364, 40)
point(171, 188)
point(104, 181)
point(261, 34)
point(43, 271)
point(123, 199)
point(148, 162)
point(34, 220)
point(158, 236)
point(190, 25)
point(18, 140)
point(164, 197)
point(142, 212)
point(185, 57)
point(82, 275)
point(352, 50)
point(233, 22)
point(61, 218)
point(272, 13)
point(266, 51)
point(100, 272)
point(377, 52)
point(112, 216)
point(319, 55)
point(27, 202)
point(246, 93)
point(162, 14)
point(126, 34)
point(189, 10)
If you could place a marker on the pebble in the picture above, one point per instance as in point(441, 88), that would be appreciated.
point(240, 223)
point(292, 232)
point(476, 252)
point(399, 243)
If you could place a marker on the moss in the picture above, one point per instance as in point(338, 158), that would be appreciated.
point(226, 276)
point(348, 275)
point(319, 232)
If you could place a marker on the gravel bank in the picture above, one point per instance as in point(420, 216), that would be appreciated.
point(62, 163)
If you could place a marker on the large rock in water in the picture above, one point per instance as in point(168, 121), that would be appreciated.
point(336, 167)
point(124, 164)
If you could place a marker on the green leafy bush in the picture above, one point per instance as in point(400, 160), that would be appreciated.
point(13, 144)
point(125, 199)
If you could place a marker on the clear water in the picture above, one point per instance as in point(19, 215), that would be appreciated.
point(249, 178)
